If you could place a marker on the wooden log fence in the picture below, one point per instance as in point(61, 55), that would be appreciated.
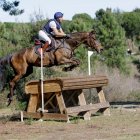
point(64, 98)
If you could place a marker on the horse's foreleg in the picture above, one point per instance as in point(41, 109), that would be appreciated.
point(74, 63)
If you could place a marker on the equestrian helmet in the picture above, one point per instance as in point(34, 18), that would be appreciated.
point(58, 15)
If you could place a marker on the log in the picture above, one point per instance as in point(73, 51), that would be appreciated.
point(45, 116)
point(34, 87)
point(83, 86)
point(60, 84)
point(89, 107)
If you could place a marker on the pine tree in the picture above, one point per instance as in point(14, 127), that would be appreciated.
point(112, 37)
point(11, 7)
point(80, 22)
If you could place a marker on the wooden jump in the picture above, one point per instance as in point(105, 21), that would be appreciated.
point(64, 97)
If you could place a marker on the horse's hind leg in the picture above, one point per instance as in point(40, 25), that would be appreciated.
point(12, 86)
point(21, 74)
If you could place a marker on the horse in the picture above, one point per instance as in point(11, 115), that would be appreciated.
point(25, 59)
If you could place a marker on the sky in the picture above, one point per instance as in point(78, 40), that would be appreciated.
point(47, 8)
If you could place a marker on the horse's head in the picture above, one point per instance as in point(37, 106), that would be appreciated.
point(87, 38)
point(92, 42)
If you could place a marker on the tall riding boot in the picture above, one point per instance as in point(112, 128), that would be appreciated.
point(45, 46)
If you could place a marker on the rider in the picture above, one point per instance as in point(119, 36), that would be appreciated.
point(52, 27)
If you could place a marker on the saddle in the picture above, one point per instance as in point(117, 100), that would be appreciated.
point(55, 44)
point(39, 43)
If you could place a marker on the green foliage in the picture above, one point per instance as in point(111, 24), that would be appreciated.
point(83, 16)
point(21, 105)
point(112, 37)
point(136, 10)
point(2, 32)
point(34, 29)
point(11, 7)
point(81, 54)
point(2, 29)
point(66, 25)
point(80, 22)
point(14, 36)
point(131, 24)
point(110, 27)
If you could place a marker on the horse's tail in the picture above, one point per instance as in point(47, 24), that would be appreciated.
point(3, 63)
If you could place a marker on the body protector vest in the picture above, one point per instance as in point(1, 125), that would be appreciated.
point(47, 28)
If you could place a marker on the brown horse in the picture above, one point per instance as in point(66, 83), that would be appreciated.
point(23, 61)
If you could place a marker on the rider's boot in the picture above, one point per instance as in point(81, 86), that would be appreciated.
point(44, 47)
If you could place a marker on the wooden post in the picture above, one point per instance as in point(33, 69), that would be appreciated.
point(60, 102)
point(33, 102)
point(82, 101)
point(102, 100)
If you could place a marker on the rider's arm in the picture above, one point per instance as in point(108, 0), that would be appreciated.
point(56, 32)
point(61, 31)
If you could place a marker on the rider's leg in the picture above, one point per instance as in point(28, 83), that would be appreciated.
point(43, 36)
point(44, 47)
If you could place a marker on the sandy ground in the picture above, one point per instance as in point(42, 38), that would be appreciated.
point(123, 124)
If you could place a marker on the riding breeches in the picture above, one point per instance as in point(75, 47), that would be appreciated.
point(43, 36)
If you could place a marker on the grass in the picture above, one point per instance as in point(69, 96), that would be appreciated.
point(28, 121)
point(121, 125)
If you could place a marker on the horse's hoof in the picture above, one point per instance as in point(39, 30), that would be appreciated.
point(8, 102)
point(10, 99)
point(65, 69)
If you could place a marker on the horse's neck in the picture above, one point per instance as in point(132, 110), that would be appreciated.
point(74, 43)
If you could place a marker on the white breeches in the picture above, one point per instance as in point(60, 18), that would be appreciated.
point(43, 36)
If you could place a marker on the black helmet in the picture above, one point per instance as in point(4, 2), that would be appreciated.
point(58, 15)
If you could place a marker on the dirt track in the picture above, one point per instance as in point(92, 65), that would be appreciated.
point(123, 124)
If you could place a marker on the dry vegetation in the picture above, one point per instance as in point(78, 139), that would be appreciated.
point(121, 87)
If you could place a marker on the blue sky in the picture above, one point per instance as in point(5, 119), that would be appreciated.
point(48, 7)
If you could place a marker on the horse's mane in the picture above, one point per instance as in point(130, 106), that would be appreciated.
point(78, 33)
